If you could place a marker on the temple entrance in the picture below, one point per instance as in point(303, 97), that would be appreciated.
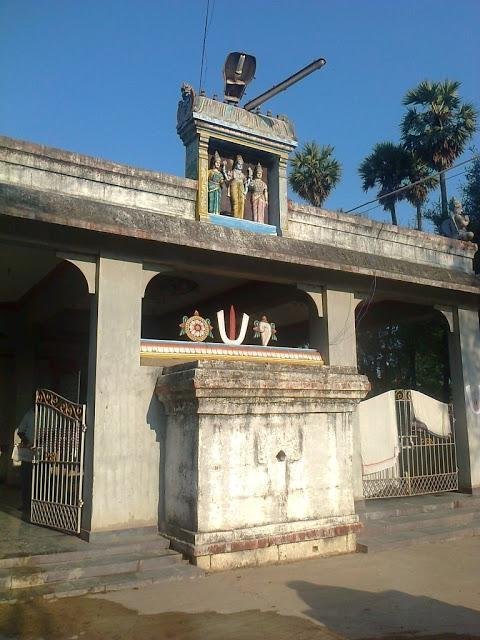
point(44, 341)
point(407, 434)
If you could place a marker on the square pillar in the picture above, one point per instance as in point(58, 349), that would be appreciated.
point(464, 344)
point(332, 325)
point(259, 461)
point(122, 453)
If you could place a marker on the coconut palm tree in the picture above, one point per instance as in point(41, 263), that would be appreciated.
point(437, 126)
point(314, 173)
point(387, 169)
point(417, 194)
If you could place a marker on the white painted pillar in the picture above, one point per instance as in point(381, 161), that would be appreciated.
point(464, 346)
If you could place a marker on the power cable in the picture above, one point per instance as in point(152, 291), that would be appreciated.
point(203, 45)
point(413, 184)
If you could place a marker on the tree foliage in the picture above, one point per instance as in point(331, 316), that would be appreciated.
point(405, 355)
point(314, 173)
point(417, 194)
point(386, 168)
point(471, 196)
point(438, 126)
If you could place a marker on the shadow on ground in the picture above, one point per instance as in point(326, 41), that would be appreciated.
point(96, 619)
point(388, 615)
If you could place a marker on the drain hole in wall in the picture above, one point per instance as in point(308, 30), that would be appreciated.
point(281, 456)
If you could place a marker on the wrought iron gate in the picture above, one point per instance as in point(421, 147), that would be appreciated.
point(57, 462)
point(426, 463)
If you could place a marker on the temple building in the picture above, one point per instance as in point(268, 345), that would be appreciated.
point(190, 344)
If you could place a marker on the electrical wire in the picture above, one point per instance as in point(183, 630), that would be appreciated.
point(413, 184)
point(203, 45)
point(362, 213)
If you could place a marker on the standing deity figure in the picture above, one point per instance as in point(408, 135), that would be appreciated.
point(237, 186)
point(456, 225)
point(215, 184)
point(264, 330)
point(259, 195)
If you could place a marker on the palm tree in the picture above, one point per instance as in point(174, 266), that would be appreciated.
point(417, 194)
point(386, 168)
point(437, 126)
point(314, 173)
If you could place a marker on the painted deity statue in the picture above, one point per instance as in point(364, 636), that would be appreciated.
point(456, 226)
point(258, 194)
point(264, 330)
point(215, 183)
point(237, 186)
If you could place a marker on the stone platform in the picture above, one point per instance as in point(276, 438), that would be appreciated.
point(404, 522)
point(258, 463)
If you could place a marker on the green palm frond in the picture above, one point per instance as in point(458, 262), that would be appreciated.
point(314, 172)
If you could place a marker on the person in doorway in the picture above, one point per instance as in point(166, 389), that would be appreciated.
point(26, 433)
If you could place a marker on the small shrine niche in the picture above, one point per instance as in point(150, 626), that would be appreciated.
point(256, 186)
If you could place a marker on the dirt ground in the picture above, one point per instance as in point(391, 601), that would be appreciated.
point(429, 592)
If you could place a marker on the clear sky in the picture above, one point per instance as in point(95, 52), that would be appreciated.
point(102, 77)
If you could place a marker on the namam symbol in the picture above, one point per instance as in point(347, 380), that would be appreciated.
point(232, 329)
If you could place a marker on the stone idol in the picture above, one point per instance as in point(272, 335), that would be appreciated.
point(216, 179)
point(258, 194)
point(264, 330)
point(456, 226)
point(239, 186)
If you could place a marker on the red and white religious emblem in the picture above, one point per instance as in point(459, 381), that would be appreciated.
point(196, 328)
point(232, 329)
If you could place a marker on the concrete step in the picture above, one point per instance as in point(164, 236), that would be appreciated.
point(90, 550)
point(371, 542)
point(101, 584)
point(71, 570)
point(410, 522)
point(375, 509)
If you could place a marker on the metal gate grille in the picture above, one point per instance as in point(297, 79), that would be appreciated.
point(58, 462)
point(426, 463)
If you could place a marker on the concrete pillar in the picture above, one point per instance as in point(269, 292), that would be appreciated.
point(332, 325)
point(464, 343)
point(332, 332)
point(122, 452)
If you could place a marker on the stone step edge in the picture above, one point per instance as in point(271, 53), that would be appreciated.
point(24, 577)
point(395, 511)
point(417, 520)
point(90, 552)
point(100, 584)
point(364, 545)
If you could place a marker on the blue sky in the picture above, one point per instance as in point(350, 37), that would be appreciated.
point(102, 77)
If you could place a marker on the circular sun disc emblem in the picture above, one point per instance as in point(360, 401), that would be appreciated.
point(197, 328)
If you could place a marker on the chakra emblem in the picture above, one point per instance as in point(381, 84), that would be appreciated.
point(196, 328)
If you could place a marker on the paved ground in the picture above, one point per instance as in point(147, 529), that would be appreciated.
point(19, 538)
point(430, 591)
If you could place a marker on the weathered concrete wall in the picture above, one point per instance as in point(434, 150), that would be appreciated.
point(367, 236)
point(40, 167)
point(259, 460)
point(335, 241)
